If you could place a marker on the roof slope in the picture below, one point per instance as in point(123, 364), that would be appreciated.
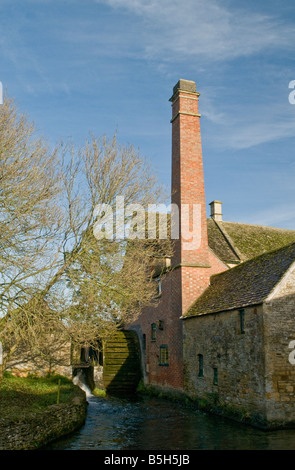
point(247, 284)
point(253, 240)
point(233, 242)
point(219, 244)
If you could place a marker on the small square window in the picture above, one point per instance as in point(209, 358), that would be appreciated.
point(160, 324)
point(164, 356)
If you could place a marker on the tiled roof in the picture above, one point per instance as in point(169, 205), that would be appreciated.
point(246, 240)
point(253, 240)
point(247, 284)
point(219, 244)
point(234, 242)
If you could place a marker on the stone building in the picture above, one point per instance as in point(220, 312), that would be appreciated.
point(221, 326)
point(237, 337)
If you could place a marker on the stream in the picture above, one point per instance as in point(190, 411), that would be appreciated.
point(148, 423)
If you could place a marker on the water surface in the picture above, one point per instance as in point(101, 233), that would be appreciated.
point(159, 424)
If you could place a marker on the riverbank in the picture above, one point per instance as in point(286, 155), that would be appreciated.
point(35, 411)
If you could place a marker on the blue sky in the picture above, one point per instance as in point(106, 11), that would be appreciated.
point(107, 66)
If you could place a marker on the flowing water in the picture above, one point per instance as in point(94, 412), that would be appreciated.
point(157, 424)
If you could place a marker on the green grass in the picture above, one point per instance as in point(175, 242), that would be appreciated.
point(20, 396)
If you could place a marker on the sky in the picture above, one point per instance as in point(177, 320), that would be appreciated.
point(109, 66)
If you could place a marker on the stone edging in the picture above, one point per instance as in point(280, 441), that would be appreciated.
point(46, 426)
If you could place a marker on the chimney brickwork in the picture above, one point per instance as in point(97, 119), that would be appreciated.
point(192, 265)
point(188, 191)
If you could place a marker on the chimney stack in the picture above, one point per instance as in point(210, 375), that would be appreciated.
point(216, 210)
point(188, 193)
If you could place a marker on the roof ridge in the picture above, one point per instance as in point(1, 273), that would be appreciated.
point(228, 240)
point(252, 260)
point(258, 225)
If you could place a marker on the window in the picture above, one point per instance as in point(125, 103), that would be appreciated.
point(242, 321)
point(215, 376)
point(164, 355)
point(159, 286)
point(161, 324)
point(153, 331)
point(201, 365)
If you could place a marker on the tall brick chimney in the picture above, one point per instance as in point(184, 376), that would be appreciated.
point(191, 259)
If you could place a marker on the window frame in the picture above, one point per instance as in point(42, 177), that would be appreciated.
point(164, 350)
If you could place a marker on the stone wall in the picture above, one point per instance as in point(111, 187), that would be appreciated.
point(45, 426)
point(54, 357)
point(233, 362)
point(279, 314)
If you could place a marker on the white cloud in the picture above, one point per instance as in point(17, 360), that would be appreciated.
point(259, 125)
point(204, 29)
point(208, 108)
point(258, 132)
point(242, 125)
point(281, 215)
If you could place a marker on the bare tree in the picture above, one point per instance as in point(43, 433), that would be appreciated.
point(56, 275)
point(106, 280)
point(30, 218)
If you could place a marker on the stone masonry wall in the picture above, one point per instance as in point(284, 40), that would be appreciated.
point(279, 315)
point(234, 360)
point(45, 426)
point(55, 357)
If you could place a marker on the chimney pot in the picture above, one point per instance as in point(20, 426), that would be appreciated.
point(216, 210)
point(187, 86)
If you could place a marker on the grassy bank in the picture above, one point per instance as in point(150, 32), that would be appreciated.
point(20, 396)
